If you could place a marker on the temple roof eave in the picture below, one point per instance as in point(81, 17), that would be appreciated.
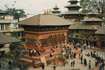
point(72, 6)
point(45, 20)
point(72, 13)
point(81, 26)
point(56, 11)
point(92, 20)
point(7, 39)
point(100, 30)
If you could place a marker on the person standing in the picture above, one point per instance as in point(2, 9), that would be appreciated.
point(64, 63)
point(81, 59)
point(85, 62)
point(89, 64)
point(103, 65)
point(54, 67)
point(31, 52)
point(34, 52)
point(73, 63)
point(43, 66)
point(81, 50)
point(96, 62)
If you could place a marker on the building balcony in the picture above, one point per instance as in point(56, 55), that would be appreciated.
point(8, 21)
point(5, 31)
point(17, 29)
point(13, 30)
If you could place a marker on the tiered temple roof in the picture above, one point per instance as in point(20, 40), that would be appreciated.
point(101, 30)
point(56, 10)
point(90, 22)
point(73, 11)
point(92, 16)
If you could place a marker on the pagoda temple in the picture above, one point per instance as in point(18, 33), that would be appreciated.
point(73, 12)
point(56, 11)
point(84, 31)
point(43, 32)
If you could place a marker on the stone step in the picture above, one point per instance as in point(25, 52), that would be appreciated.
point(27, 61)
point(38, 48)
point(38, 58)
point(47, 52)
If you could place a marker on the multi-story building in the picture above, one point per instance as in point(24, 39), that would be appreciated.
point(84, 31)
point(8, 26)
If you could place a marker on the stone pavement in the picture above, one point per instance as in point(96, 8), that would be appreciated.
point(100, 53)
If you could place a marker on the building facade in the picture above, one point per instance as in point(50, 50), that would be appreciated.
point(84, 32)
point(9, 27)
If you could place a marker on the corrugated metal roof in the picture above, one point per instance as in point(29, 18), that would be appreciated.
point(4, 39)
point(45, 20)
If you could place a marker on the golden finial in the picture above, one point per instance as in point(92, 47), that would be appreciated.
point(47, 12)
point(56, 6)
point(93, 10)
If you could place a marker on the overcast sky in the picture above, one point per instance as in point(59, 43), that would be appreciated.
point(34, 6)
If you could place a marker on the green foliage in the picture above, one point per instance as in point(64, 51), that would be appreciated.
point(97, 5)
point(17, 47)
point(17, 13)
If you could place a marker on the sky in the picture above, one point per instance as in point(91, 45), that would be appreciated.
point(34, 6)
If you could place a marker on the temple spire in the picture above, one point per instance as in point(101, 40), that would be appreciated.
point(56, 10)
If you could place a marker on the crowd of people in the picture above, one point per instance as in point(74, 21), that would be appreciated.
point(69, 54)
point(99, 61)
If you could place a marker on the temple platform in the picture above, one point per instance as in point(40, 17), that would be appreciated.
point(46, 55)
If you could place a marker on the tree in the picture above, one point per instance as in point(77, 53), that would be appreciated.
point(97, 5)
point(17, 13)
point(17, 48)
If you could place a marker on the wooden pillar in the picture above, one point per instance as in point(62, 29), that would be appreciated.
point(89, 44)
point(98, 44)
